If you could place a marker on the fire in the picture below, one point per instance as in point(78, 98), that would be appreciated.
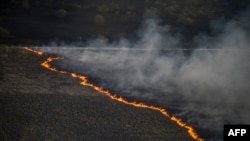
point(47, 65)
point(40, 53)
point(85, 82)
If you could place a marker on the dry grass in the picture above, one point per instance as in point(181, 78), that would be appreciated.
point(36, 105)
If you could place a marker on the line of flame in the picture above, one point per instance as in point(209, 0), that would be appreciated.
point(85, 82)
point(38, 52)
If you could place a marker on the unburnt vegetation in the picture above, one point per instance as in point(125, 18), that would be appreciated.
point(51, 20)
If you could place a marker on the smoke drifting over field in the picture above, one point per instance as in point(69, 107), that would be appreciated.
point(208, 86)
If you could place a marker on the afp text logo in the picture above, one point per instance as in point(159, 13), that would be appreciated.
point(237, 132)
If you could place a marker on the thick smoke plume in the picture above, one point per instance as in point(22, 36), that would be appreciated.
point(208, 86)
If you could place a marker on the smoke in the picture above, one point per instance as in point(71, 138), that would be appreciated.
point(207, 86)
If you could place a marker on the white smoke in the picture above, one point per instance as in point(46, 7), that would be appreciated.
point(210, 86)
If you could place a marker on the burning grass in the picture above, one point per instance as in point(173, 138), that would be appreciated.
point(85, 82)
point(37, 104)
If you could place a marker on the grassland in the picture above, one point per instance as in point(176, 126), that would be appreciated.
point(37, 104)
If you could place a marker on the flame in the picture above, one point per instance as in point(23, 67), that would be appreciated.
point(85, 82)
point(40, 53)
point(47, 65)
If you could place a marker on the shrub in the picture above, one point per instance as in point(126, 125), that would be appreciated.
point(114, 6)
point(76, 7)
point(131, 8)
point(6, 11)
point(151, 10)
point(60, 13)
point(14, 2)
point(171, 10)
point(4, 33)
point(103, 8)
point(37, 2)
point(185, 19)
point(25, 4)
point(49, 2)
point(99, 19)
point(1, 73)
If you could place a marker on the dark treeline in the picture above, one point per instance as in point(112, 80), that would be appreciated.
point(39, 21)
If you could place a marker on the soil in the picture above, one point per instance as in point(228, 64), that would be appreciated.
point(38, 104)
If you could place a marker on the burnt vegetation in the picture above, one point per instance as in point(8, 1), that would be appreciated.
point(37, 104)
point(50, 20)
point(31, 110)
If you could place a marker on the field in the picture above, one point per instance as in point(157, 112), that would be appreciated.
point(205, 83)
point(37, 104)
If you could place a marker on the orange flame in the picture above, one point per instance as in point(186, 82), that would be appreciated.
point(47, 65)
point(85, 82)
point(40, 53)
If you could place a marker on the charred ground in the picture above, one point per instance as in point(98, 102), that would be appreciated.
point(36, 104)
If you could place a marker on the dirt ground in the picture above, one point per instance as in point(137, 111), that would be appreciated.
point(38, 104)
